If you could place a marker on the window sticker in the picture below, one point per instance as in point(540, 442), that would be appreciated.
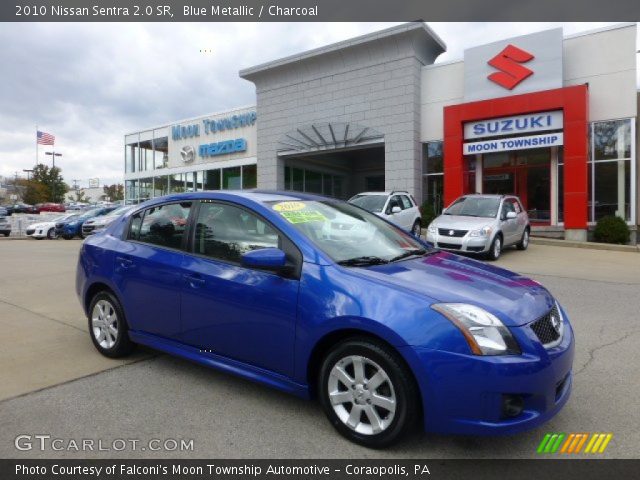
point(304, 217)
point(289, 206)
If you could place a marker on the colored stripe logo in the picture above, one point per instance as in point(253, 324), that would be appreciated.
point(574, 443)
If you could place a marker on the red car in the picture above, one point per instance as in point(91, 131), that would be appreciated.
point(51, 207)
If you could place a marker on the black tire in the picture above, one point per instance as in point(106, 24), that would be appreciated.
point(51, 234)
point(67, 237)
point(494, 253)
point(7, 234)
point(121, 345)
point(523, 244)
point(399, 384)
point(416, 228)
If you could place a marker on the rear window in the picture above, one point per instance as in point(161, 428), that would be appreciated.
point(371, 203)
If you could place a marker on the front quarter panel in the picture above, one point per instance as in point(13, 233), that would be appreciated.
point(334, 298)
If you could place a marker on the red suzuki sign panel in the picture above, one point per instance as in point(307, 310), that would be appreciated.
point(524, 64)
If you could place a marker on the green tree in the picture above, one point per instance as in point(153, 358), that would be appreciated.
point(52, 179)
point(114, 192)
point(34, 192)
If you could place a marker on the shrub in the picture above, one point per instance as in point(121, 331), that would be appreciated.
point(427, 213)
point(611, 229)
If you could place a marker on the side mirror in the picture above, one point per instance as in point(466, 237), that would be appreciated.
point(272, 259)
point(511, 215)
point(395, 209)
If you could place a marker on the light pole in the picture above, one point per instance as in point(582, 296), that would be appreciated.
point(53, 157)
point(28, 173)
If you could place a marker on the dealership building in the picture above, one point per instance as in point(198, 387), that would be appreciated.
point(551, 118)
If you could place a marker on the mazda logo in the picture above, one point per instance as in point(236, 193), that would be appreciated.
point(555, 323)
point(188, 154)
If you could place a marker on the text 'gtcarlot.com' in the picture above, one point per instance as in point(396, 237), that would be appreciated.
point(48, 443)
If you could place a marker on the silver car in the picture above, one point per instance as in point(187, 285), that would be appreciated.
point(481, 224)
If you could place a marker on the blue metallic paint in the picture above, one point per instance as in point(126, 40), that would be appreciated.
point(266, 326)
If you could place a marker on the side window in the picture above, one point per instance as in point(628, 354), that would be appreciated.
point(164, 225)
point(134, 226)
point(516, 206)
point(394, 202)
point(406, 203)
point(225, 232)
point(507, 207)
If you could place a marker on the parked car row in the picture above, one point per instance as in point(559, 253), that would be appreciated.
point(76, 224)
point(475, 224)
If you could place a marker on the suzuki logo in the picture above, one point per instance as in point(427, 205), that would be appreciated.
point(451, 232)
point(508, 62)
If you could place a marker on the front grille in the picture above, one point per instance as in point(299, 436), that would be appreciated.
point(88, 228)
point(543, 327)
point(475, 249)
point(448, 232)
point(450, 246)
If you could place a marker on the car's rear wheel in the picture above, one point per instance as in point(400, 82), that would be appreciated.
point(524, 241)
point(367, 392)
point(108, 326)
point(67, 237)
point(51, 234)
point(496, 248)
point(415, 230)
point(6, 234)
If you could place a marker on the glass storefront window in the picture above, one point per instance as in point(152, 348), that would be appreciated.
point(610, 170)
point(189, 179)
point(432, 160)
point(612, 140)
point(176, 183)
point(231, 178)
point(313, 182)
point(249, 176)
point(199, 181)
point(297, 180)
point(145, 187)
point(433, 175)
point(160, 152)
point(212, 179)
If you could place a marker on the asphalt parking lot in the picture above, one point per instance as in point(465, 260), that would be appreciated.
point(53, 382)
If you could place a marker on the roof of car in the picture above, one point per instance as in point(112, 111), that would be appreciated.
point(260, 196)
point(384, 193)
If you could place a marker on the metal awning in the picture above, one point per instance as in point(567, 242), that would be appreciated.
point(319, 137)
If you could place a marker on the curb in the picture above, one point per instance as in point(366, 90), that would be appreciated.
point(589, 245)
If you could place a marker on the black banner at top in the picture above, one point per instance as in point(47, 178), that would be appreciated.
point(316, 10)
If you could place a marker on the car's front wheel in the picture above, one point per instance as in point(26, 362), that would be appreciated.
point(67, 237)
point(524, 241)
point(51, 234)
point(415, 230)
point(367, 392)
point(108, 326)
point(496, 248)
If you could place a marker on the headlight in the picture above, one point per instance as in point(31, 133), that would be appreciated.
point(484, 332)
point(432, 228)
point(483, 232)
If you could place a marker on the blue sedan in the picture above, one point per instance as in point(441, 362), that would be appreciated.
point(320, 298)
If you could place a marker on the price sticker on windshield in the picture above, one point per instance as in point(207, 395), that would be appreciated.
point(303, 217)
point(289, 206)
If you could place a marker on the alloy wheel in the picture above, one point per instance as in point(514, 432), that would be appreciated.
point(497, 247)
point(362, 395)
point(104, 322)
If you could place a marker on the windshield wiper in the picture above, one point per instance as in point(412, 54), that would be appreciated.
point(416, 252)
point(363, 261)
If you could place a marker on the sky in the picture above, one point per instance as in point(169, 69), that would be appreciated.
point(90, 84)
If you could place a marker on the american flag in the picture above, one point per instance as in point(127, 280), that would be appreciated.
point(45, 138)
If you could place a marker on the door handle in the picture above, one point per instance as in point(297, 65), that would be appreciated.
point(124, 262)
point(194, 280)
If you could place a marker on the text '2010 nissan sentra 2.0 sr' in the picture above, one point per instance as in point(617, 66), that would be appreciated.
point(323, 299)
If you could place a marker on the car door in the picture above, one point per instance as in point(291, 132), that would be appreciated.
point(509, 226)
point(407, 212)
point(147, 269)
point(230, 310)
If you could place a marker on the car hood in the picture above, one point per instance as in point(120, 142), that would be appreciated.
point(36, 226)
point(458, 222)
point(445, 277)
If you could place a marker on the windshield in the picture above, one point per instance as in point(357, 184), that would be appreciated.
point(372, 203)
point(348, 234)
point(64, 217)
point(120, 210)
point(475, 207)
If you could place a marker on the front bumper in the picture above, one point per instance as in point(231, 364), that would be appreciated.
point(460, 244)
point(464, 393)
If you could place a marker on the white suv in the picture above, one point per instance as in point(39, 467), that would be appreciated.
point(398, 207)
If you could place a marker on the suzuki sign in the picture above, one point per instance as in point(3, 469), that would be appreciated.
point(517, 124)
point(517, 65)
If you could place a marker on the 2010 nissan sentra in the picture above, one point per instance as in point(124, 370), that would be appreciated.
point(386, 331)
